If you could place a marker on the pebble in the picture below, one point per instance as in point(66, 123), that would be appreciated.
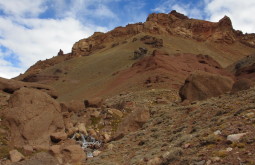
point(216, 159)
point(218, 132)
point(235, 137)
point(96, 153)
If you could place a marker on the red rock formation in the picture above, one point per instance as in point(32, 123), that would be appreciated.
point(164, 71)
point(173, 23)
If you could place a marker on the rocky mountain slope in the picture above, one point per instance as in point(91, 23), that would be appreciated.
point(171, 90)
point(77, 75)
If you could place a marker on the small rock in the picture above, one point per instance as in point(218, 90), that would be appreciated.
point(92, 132)
point(95, 114)
point(69, 128)
point(187, 145)
point(229, 149)
point(28, 149)
point(115, 112)
point(202, 162)
point(250, 115)
point(16, 156)
point(58, 136)
point(55, 149)
point(96, 153)
point(218, 132)
point(106, 137)
point(161, 101)
point(216, 159)
point(82, 129)
point(235, 137)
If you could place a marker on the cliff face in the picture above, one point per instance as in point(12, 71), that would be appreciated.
point(172, 24)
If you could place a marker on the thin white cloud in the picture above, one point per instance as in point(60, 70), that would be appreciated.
point(31, 38)
point(7, 69)
point(43, 39)
point(78, 8)
point(22, 7)
point(240, 12)
point(189, 9)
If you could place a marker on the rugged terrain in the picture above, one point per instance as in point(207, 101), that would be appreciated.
point(171, 90)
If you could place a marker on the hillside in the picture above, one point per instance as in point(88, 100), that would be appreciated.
point(78, 75)
point(169, 91)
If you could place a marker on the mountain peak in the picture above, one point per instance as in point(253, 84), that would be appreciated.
point(178, 15)
point(226, 22)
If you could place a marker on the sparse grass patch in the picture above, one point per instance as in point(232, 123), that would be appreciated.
point(211, 139)
point(4, 151)
point(221, 153)
point(4, 148)
point(95, 120)
point(237, 144)
point(115, 123)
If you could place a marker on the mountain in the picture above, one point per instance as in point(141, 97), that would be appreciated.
point(97, 63)
point(171, 90)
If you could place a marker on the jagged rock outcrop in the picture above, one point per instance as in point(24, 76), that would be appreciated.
point(32, 117)
point(60, 53)
point(203, 85)
point(152, 41)
point(173, 23)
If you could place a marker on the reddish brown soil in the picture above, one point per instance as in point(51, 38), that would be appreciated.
point(166, 71)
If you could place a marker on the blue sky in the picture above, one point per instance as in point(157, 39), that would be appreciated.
point(36, 30)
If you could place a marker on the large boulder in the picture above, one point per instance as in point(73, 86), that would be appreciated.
point(242, 84)
point(10, 86)
point(32, 117)
point(203, 85)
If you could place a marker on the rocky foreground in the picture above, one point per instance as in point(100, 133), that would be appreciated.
point(146, 127)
